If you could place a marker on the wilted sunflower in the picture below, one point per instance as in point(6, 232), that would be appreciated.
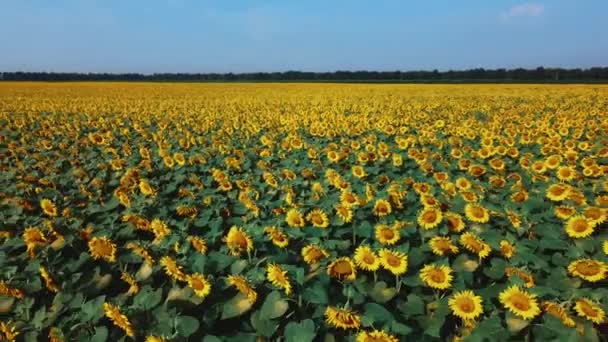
point(102, 248)
point(382, 208)
point(342, 268)
point(476, 213)
point(519, 302)
point(172, 269)
point(199, 284)
point(430, 217)
point(466, 305)
point(557, 192)
point(278, 277)
point(376, 336)
point(119, 320)
point(587, 309)
point(313, 254)
point(238, 241)
point(48, 207)
point(342, 318)
point(243, 286)
point(588, 269)
point(294, 218)
point(366, 259)
point(523, 275)
point(579, 227)
point(387, 235)
point(395, 262)
point(318, 218)
point(438, 277)
point(277, 237)
point(507, 249)
point(474, 244)
point(442, 245)
point(558, 312)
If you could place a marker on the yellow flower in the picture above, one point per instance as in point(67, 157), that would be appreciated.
point(455, 222)
point(587, 309)
point(102, 248)
point(145, 188)
point(430, 217)
point(595, 215)
point(579, 227)
point(507, 249)
point(120, 320)
point(198, 244)
point(588, 269)
point(523, 275)
point(318, 218)
point(438, 277)
point(476, 213)
point(358, 171)
point(277, 237)
point(605, 247)
point(199, 284)
point(33, 238)
point(133, 286)
point(142, 252)
point(8, 291)
point(172, 269)
point(375, 336)
point(519, 302)
point(7, 332)
point(294, 218)
point(366, 259)
point(382, 208)
point(557, 192)
point(342, 268)
point(312, 254)
point(441, 245)
point(466, 305)
point(243, 286)
point(48, 207)
point(559, 312)
point(566, 173)
point(393, 261)
point(474, 244)
point(278, 277)
point(387, 235)
point(238, 241)
point(564, 212)
point(345, 213)
point(155, 339)
point(342, 318)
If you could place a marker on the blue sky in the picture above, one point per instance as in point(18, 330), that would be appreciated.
point(313, 35)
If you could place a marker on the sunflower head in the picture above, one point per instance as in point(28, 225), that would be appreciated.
point(585, 308)
point(366, 259)
point(294, 218)
point(442, 245)
point(375, 336)
point(102, 248)
point(387, 235)
point(48, 207)
point(238, 241)
point(343, 269)
point(318, 218)
point(466, 305)
point(588, 269)
point(477, 213)
point(199, 284)
point(312, 254)
point(430, 217)
point(382, 208)
point(579, 227)
point(393, 261)
point(519, 302)
point(342, 318)
point(437, 276)
point(278, 277)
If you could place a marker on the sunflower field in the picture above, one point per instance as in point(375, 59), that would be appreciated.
point(303, 212)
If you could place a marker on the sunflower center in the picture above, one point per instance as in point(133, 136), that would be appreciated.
point(477, 212)
point(343, 268)
point(437, 275)
point(388, 234)
point(588, 268)
point(558, 191)
point(429, 216)
point(587, 309)
point(580, 226)
point(197, 284)
point(393, 260)
point(368, 259)
point(520, 302)
point(593, 213)
point(240, 241)
point(466, 305)
point(317, 219)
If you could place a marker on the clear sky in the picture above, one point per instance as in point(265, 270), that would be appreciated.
point(310, 35)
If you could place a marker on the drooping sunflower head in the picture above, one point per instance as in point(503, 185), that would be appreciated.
point(318, 218)
point(294, 218)
point(477, 213)
point(588, 269)
point(120, 320)
point(579, 227)
point(243, 286)
point(172, 269)
point(519, 302)
point(587, 309)
point(387, 235)
point(437, 276)
point(558, 312)
point(393, 261)
point(430, 217)
point(277, 237)
point(278, 277)
point(312, 254)
point(474, 244)
point(455, 222)
point(48, 207)
point(342, 268)
point(466, 305)
point(382, 208)
point(595, 215)
point(366, 259)
point(342, 318)
point(507, 249)
point(376, 336)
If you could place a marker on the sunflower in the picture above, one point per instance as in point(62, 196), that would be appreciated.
point(172, 269)
point(430, 217)
point(48, 207)
point(558, 312)
point(294, 218)
point(566, 173)
point(476, 213)
point(145, 188)
point(507, 249)
point(142, 252)
point(358, 171)
point(595, 215)
point(382, 208)
point(523, 275)
point(199, 284)
point(344, 213)
point(8, 291)
point(564, 212)
point(376, 336)
point(199, 244)
point(438, 277)
point(277, 237)
point(8, 332)
point(278, 277)
point(387, 235)
point(342, 318)
point(133, 286)
point(466, 305)
point(318, 218)
point(33, 238)
point(312, 254)
point(557, 192)
point(168, 161)
point(366, 259)
point(48, 281)
point(102, 248)
point(463, 183)
point(579, 227)
point(442, 245)
point(119, 320)
point(349, 199)
point(587, 309)
point(395, 262)
point(238, 241)
point(519, 302)
point(342, 268)
point(588, 269)
point(179, 159)
point(475, 245)
point(242, 285)
point(160, 230)
point(455, 222)
point(151, 338)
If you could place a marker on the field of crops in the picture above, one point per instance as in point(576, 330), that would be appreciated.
point(301, 212)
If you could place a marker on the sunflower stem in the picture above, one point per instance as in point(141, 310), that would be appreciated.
point(398, 283)
point(354, 236)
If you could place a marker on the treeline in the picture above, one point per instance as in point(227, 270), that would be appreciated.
point(540, 74)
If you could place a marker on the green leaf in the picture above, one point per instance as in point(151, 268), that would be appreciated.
point(101, 334)
point(377, 313)
point(264, 327)
point(236, 306)
point(303, 331)
point(315, 294)
point(381, 293)
point(186, 325)
point(211, 338)
point(515, 324)
point(274, 306)
point(413, 306)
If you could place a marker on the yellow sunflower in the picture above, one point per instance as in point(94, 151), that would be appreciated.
point(238, 241)
point(318, 218)
point(430, 217)
point(557, 192)
point(382, 208)
point(476, 213)
point(344, 212)
point(455, 222)
point(102, 248)
point(566, 173)
point(349, 199)
point(198, 243)
point(342, 268)
point(558, 312)
point(277, 237)
point(242, 285)
point(588, 269)
point(145, 188)
point(595, 215)
point(199, 284)
point(48, 280)
point(358, 171)
point(387, 235)
point(366, 259)
point(48, 207)
point(438, 277)
point(33, 237)
point(119, 320)
point(294, 218)
point(395, 262)
point(312, 254)
point(466, 305)
point(564, 212)
point(474, 244)
point(442, 245)
point(605, 247)
point(507, 249)
point(579, 227)
point(278, 277)
point(587, 309)
point(8, 332)
point(520, 302)
point(342, 318)
point(172, 269)
point(375, 336)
